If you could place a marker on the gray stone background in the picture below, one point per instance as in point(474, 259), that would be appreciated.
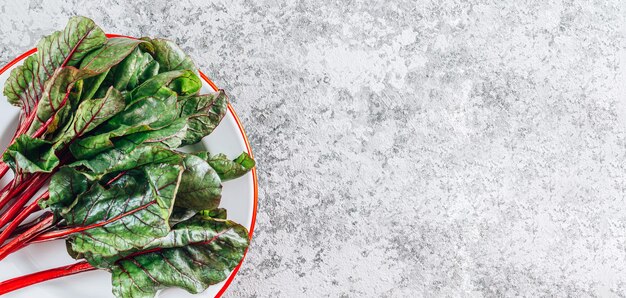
point(410, 148)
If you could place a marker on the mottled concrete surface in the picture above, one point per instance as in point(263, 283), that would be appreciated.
point(452, 148)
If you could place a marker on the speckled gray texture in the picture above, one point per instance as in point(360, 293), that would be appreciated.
point(452, 148)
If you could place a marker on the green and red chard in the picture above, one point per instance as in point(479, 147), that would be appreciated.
point(101, 119)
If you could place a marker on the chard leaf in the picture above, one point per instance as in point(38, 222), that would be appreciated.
point(196, 254)
point(90, 114)
point(25, 85)
point(92, 84)
point(65, 186)
point(170, 136)
point(203, 113)
point(182, 82)
point(131, 213)
point(30, 155)
point(218, 213)
point(169, 55)
point(54, 103)
point(226, 168)
point(55, 98)
point(129, 73)
point(119, 160)
point(150, 113)
point(112, 53)
point(180, 214)
point(200, 186)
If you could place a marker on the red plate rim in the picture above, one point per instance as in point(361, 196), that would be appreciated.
point(243, 134)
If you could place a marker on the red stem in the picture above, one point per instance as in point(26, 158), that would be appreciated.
point(52, 235)
point(24, 213)
point(4, 168)
point(5, 190)
point(32, 189)
point(31, 279)
point(29, 234)
point(58, 234)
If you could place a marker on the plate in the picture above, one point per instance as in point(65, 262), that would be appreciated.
point(239, 197)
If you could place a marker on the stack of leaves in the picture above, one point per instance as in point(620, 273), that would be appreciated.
point(102, 118)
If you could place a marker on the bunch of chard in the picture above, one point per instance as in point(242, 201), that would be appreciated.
point(100, 119)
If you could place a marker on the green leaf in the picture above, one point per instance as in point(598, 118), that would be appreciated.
point(119, 160)
point(112, 53)
point(21, 88)
point(196, 254)
point(147, 114)
point(29, 155)
point(25, 85)
point(170, 136)
point(229, 169)
point(90, 114)
point(183, 82)
point(56, 98)
point(218, 213)
point(203, 113)
point(131, 213)
point(169, 55)
point(130, 72)
point(92, 84)
point(200, 186)
point(180, 214)
point(65, 186)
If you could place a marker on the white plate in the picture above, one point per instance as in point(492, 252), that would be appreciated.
point(238, 197)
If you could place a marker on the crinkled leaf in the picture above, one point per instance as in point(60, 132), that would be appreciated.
point(200, 186)
point(29, 155)
point(150, 113)
point(130, 72)
point(169, 55)
point(119, 160)
point(131, 212)
point(90, 114)
point(23, 88)
point(204, 113)
point(92, 84)
point(196, 254)
point(226, 168)
point(65, 185)
point(219, 213)
point(182, 82)
point(180, 214)
point(25, 85)
point(114, 51)
point(54, 105)
point(56, 98)
point(170, 136)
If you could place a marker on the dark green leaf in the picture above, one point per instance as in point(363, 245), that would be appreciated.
point(183, 82)
point(131, 213)
point(65, 186)
point(113, 52)
point(92, 84)
point(229, 169)
point(200, 186)
point(196, 254)
point(25, 85)
point(180, 214)
point(219, 213)
point(204, 113)
point(90, 114)
point(169, 55)
point(170, 136)
point(29, 155)
point(148, 114)
point(119, 160)
point(55, 99)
